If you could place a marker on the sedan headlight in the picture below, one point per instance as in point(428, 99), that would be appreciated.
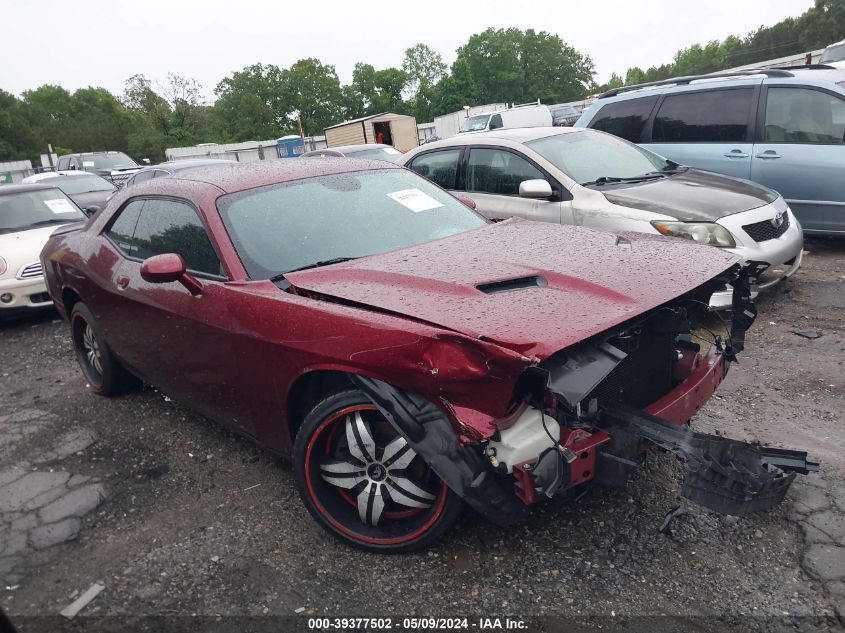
point(3, 266)
point(708, 233)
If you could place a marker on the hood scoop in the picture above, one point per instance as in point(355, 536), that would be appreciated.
point(517, 283)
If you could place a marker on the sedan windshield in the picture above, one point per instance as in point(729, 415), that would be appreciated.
point(281, 228)
point(475, 123)
point(118, 160)
point(34, 209)
point(591, 157)
point(73, 185)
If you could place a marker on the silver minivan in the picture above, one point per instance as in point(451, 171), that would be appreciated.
point(782, 128)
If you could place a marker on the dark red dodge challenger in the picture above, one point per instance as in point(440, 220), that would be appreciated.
point(407, 355)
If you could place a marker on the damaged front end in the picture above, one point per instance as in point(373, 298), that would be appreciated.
point(591, 411)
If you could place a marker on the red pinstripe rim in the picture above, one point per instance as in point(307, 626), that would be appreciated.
point(339, 526)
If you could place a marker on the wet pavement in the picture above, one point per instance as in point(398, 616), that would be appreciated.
point(175, 515)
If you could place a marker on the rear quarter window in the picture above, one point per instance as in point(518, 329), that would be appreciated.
point(625, 119)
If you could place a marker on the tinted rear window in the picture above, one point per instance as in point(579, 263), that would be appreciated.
point(712, 116)
point(625, 119)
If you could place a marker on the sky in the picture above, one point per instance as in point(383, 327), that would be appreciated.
point(102, 43)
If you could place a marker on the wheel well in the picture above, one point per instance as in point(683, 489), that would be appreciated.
point(69, 299)
point(308, 390)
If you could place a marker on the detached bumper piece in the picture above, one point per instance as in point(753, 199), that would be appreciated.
point(724, 475)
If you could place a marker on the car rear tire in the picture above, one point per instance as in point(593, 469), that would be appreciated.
point(363, 483)
point(101, 369)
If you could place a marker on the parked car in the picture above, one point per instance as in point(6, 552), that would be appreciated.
point(589, 178)
point(113, 166)
point(564, 115)
point(371, 150)
point(89, 191)
point(529, 115)
point(28, 215)
point(402, 352)
point(162, 170)
point(834, 55)
point(784, 129)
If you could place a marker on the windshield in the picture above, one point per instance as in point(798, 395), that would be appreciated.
point(33, 209)
point(475, 123)
point(589, 156)
point(118, 160)
point(378, 153)
point(563, 111)
point(833, 54)
point(73, 185)
point(283, 227)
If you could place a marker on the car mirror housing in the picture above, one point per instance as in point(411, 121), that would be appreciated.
point(89, 211)
point(167, 268)
point(538, 188)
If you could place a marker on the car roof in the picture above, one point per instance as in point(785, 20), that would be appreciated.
point(10, 190)
point(353, 148)
point(187, 163)
point(110, 151)
point(232, 176)
point(813, 75)
point(53, 175)
point(514, 135)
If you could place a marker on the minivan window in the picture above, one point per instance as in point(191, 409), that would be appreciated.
point(708, 116)
point(440, 167)
point(498, 172)
point(625, 119)
point(588, 156)
point(496, 122)
point(801, 115)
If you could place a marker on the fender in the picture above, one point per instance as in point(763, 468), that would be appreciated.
point(430, 434)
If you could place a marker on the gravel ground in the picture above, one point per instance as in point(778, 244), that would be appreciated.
point(174, 515)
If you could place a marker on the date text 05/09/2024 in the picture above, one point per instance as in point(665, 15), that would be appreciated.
point(420, 623)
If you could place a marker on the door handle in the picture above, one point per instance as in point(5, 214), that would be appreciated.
point(123, 281)
point(737, 153)
point(768, 155)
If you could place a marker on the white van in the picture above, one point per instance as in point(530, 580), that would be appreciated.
point(530, 115)
point(834, 55)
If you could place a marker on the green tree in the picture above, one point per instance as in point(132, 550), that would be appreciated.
point(312, 89)
point(17, 141)
point(423, 68)
point(251, 104)
point(456, 90)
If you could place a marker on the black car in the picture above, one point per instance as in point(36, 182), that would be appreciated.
point(115, 167)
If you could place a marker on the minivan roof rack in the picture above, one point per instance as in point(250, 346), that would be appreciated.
point(806, 67)
point(679, 81)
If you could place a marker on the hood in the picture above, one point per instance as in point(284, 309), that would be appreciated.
point(23, 248)
point(92, 198)
point(534, 288)
point(692, 196)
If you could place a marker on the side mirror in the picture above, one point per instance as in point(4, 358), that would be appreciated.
point(167, 268)
point(535, 189)
point(467, 202)
point(89, 211)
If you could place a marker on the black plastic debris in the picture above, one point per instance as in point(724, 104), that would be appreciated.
point(725, 475)
point(811, 334)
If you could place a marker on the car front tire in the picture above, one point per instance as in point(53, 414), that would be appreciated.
point(363, 483)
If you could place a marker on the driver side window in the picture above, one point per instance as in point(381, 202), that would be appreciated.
point(499, 172)
point(800, 115)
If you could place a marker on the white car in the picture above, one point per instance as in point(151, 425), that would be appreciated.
point(28, 216)
point(586, 177)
